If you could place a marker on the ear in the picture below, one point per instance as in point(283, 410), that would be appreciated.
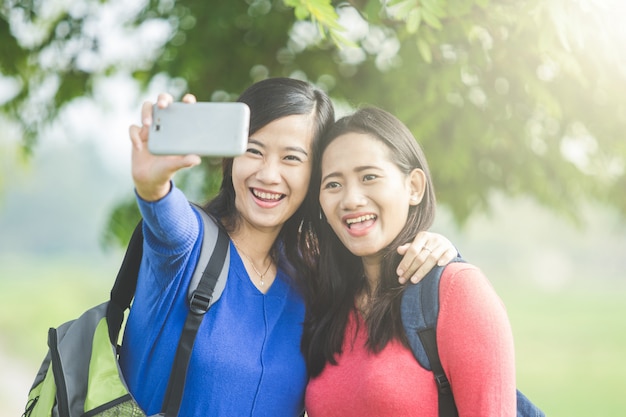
point(417, 184)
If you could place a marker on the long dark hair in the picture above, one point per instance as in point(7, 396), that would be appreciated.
point(341, 276)
point(269, 100)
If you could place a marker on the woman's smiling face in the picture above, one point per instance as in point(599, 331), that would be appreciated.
point(271, 178)
point(364, 195)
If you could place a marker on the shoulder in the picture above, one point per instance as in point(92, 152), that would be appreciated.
point(469, 301)
point(459, 268)
point(465, 286)
point(463, 276)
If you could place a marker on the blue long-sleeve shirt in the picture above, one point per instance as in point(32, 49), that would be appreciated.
point(246, 359)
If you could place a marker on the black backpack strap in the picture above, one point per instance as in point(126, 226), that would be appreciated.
point(447, 406)
point(199, 304)
point(125, 284)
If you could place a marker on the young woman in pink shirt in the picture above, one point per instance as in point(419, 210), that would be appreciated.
point(376, 192)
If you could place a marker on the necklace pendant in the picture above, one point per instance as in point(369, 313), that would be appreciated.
point(262, 282)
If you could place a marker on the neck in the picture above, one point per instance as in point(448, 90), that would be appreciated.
point(255, 243)
point(371, 269)
point(256, 252)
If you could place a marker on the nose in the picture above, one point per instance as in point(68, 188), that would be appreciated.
point(269, 172)
point(353, 198)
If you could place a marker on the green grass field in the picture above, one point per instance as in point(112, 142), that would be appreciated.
point(571, 344)
point(571, 349)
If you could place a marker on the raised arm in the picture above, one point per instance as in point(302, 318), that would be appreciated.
point(170, 227)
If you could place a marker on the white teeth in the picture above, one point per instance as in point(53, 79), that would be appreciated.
point(267, 196)
point(360, 219)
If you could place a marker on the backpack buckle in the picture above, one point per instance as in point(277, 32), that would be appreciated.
point(443, 384)
point(199, 304)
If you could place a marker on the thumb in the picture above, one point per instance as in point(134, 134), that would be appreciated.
point(191, 160)
point(403, 248)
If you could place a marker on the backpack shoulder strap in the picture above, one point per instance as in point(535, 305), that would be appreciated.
point(211, 231)
point(419, 312)
point(201, 299)
point(125, 284)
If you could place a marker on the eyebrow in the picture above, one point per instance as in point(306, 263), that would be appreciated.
point(289, 148)
point(331, 175)
point(357, 169)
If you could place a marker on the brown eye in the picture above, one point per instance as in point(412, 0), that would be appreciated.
point(293, 158)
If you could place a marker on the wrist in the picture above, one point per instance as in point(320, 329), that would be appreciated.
point(153, 193)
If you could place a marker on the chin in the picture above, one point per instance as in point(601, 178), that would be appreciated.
point(361, 251)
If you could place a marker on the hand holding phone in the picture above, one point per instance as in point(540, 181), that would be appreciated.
point(205, 128)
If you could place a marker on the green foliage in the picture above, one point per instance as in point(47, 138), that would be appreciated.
point(519, 98)
point(119, 228)
point(322, 13)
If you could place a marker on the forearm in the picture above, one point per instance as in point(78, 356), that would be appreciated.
point(170, 225)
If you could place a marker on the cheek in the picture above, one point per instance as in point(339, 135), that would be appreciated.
point(328, 204)
point(324, 205)
point(239, 172)
point(299, 182)
point(399, 216)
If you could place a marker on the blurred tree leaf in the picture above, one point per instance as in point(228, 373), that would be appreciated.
point(506, 97)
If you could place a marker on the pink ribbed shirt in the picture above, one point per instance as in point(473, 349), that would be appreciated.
point(476, 349)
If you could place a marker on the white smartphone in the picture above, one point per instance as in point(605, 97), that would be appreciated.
point(206, 129)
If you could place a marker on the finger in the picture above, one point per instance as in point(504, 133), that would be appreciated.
point(440, 255)
point(141, 133)
point(189, 98)
point(164, 100)
point(135, 138)
point(170, 164)
point(441, 249)
point(146, 113)
point(191, 160)
point(419, 265)
point(410, 252)
point(447, 256)
point(403, 248)
point(424, 269)
point(433, 254)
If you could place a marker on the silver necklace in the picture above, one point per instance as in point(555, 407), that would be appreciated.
point(261, 275)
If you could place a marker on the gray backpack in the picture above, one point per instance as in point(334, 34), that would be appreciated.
point(80, 375)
